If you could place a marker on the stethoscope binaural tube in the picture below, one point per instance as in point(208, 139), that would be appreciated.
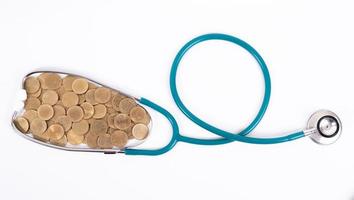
point(241, 136)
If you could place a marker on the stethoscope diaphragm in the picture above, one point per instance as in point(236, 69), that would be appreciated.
point(324, 127)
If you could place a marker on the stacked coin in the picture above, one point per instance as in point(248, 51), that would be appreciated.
point(72, 110)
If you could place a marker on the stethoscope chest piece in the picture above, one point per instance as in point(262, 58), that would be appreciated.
point(326, 127)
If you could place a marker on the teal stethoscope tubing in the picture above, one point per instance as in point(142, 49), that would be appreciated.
point(226, 136)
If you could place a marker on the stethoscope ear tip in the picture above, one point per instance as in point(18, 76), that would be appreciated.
point(324, 127)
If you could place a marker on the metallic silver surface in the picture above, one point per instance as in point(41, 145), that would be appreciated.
point(324, 127)
point(328, 126)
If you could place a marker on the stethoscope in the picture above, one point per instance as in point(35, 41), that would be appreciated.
point(323, 127)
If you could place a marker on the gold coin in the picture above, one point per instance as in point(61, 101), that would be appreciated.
point(32, 84)
point(119, 139)
point(41, 78)
point(50, 81)
point(88, 110)
point(114, 92)
point(36, 94)
point(126, 104)
point(102, 95)
point(90, 121)
point(105, 117)
point(84, 141)
point(104, 141)
point(65, 121)
point(98, 127)
point(60, 103)
point(49, 97)
point(74, 138)
point(38, 126)
point(21, 124)
point(61, 142)
point(75, 113)
point(91, 140)
point(80, 86)
point(61, 91)
point(50, 122)
point(111, 110)
point(108, 104)
point(122, 121)
point(99, 111)
point(58, 111)
point(139, 115)
point(55, 131)
point(140, 131)
point(111, 130)
point(116, 100)
point(70, 99)
point(32, 103)
point(129, 132)
point(110, 120)
point(90, 96)
point(30, 115)
point(45, 111)
point(92, 85)
point(68, 82)
point(44, 137)
point(81, 98)
point(81, 127)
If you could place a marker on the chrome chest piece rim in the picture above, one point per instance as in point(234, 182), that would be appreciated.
point(326, 127)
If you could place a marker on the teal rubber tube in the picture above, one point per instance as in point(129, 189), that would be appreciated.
point(227, 136)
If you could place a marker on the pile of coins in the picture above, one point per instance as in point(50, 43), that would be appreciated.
point(72, 110)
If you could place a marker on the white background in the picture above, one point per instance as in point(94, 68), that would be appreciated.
point(130, 45)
